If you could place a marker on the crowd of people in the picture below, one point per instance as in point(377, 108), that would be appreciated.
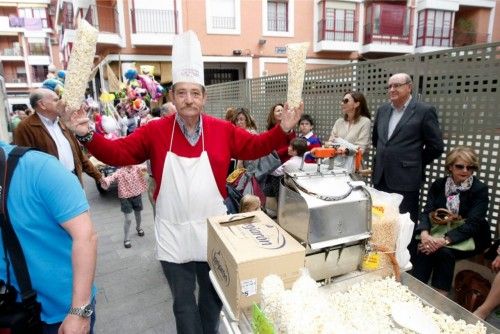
point(188, 155)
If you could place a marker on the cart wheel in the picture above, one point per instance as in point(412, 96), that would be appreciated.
point(100, 189)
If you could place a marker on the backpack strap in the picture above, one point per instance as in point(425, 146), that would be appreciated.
point(10, 240)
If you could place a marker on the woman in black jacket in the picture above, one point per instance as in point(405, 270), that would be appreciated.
point(462, 194)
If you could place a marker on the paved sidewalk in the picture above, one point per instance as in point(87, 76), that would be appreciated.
point(133, 295)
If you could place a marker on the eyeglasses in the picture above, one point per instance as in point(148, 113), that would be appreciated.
point(396, 85)
point(345, 101)
point(461, 167)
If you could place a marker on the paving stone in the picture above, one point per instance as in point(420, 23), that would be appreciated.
point(133, 295)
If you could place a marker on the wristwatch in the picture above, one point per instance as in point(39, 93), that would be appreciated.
point(84, 311)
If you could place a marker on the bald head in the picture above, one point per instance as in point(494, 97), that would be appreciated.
point(403, 77)
point(44, 101)
point(37, 95)
point(399, 89)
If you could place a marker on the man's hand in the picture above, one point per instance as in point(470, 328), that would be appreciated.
point(75, 120)
point(74, 324)
point(291, 116)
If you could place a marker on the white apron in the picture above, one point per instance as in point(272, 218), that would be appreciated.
point(188, 196)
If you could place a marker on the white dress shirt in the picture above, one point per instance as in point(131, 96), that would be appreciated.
point(64, 151)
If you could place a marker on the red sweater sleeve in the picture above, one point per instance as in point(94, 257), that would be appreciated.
point(222, 141)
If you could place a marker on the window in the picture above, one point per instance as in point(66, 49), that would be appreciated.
point(20, 75)
point(388, 19)
point(37, 46)
point(68, 15)
point(35, 13)
point(434, 28)
point(39, 72)
point(339, 25)
point(223, 16)
point(388, 23)
point(277, 16)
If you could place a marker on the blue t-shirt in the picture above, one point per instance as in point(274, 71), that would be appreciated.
point(42, 196)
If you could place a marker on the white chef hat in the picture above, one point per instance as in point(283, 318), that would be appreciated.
point(187, 62)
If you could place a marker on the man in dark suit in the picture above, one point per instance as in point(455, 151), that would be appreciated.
point(407, 137)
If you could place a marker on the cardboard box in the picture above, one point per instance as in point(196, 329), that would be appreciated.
point(245, 248)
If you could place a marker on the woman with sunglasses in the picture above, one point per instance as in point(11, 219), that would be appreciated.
point(462, 194)
point(352, 131)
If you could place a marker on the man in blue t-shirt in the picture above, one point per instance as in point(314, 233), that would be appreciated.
point(49, 212)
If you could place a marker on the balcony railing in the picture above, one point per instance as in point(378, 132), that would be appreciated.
point(67, 16)
point(468, 38)
point(374, 37)
point(154, 21)
point(29, 23)
point(277, 24)
point(337, 30)
point(223, 22)
point(38, 49)
point(103, 18)
point(442, 37)
point(15, 78)
point(13, 51)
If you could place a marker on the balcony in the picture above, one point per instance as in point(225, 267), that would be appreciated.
point(66, 19)
point(468, 38)
point(153, 26)
point(14, 53)
point(337, 35)
point(377, 37)
point(103, 18)
point(38, 49)
point(18, 80)
point(388, 28)
point(106, 20)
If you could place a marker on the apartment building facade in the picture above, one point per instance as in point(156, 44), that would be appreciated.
point(27, 47)
point(247, 38)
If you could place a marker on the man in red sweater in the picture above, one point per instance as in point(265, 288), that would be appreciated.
point(190, 152)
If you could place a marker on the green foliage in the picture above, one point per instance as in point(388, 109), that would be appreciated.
point(465, 25)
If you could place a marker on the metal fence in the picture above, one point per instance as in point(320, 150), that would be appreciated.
point(462, 83)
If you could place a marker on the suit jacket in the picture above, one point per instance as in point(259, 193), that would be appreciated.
point(473, 208)
point(31, 132)
point(415, 142)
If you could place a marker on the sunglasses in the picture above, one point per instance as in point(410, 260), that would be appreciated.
point(345, 101)
point(461, 167)
point(396, 85)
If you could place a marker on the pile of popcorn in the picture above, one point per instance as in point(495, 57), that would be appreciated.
point(364, 308)
point(296, 54)
point(80, 65)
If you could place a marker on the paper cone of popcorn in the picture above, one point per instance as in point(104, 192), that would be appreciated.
point(80, 64)
point(296, 54)
point(187, 61)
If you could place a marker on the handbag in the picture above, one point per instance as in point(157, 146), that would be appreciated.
point(471, 289)
point(444, 221)
point(24, 316)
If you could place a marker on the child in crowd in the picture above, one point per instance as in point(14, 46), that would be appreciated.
point(306, 125)
point(250, 203)
point(131, 185)
point(296, 149)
